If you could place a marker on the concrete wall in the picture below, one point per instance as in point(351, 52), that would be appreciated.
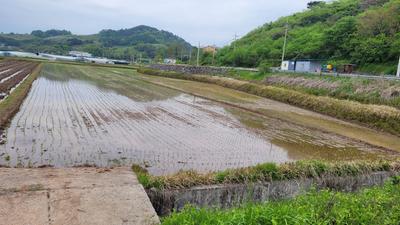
point(308, 66)
point(225, 196)
point(187, 69)
point(285, 65)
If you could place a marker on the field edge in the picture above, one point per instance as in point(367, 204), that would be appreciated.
point(10, 105)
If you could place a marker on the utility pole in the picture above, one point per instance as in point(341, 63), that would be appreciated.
point(182, 55)
point(198, 55)
point(285, 41)
point(190, 55)
point(398, 69)
point(234, 42)
point(213, 56)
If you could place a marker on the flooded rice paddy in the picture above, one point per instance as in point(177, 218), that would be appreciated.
point(81, 115)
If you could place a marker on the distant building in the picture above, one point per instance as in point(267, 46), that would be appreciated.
point(57, 57)
point(170, 61)
point(348, 68)
point(120, 62)
point(99, 60)
point(80, 54)
point(210, 49)
point(288, 65)
point(302, 66)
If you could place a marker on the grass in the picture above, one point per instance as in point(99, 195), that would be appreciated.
point(368, 91)
point(379, 205)
point(381, 117)
point(247, 75)
point(10, 105)
point(263, 173)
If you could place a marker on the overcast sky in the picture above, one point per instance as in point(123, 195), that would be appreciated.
point(205, 21)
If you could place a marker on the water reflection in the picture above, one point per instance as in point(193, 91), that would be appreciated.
point(109, 79)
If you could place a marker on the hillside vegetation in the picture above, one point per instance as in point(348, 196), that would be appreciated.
point(364, 32)
point(140, 41)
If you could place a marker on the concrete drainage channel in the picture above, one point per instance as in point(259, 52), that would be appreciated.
point(225, 196)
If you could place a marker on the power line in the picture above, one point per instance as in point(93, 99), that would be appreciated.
point(234, 41)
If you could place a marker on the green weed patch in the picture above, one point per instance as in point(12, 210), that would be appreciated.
point(263, 173)
point(379, 205)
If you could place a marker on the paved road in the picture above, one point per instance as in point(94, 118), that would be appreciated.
point(73, 196)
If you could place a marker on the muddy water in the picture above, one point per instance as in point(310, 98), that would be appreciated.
point(77, 116)
point(274, 109)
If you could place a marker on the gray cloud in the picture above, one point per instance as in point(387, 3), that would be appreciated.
point(205, 21)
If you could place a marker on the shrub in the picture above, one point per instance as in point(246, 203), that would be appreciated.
point(265, 67)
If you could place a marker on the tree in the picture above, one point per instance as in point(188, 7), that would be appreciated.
point(337, 38)
point(371, 50)
point(313, 4)
point(368, 3)
point(383, 20)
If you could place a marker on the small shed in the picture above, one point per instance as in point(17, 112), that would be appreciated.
point(301, 66)
point(348, 68)
point(169, 61)
point(308, 66)
point(288, 65)
point(120, 62)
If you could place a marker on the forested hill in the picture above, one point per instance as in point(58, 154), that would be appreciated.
point(363, 32)
point(121, 44)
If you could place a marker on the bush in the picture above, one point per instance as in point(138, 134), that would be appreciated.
point(265, 67)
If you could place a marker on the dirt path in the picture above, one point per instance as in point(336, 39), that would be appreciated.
point(73, 196)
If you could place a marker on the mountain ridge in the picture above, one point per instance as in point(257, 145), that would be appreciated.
point(140, 41)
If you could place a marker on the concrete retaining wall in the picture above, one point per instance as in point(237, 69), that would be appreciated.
point(207, 70)
point(225, 196)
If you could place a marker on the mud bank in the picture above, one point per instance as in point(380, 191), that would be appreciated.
point(207, 70)
point(230, 195)
point(11, 104)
